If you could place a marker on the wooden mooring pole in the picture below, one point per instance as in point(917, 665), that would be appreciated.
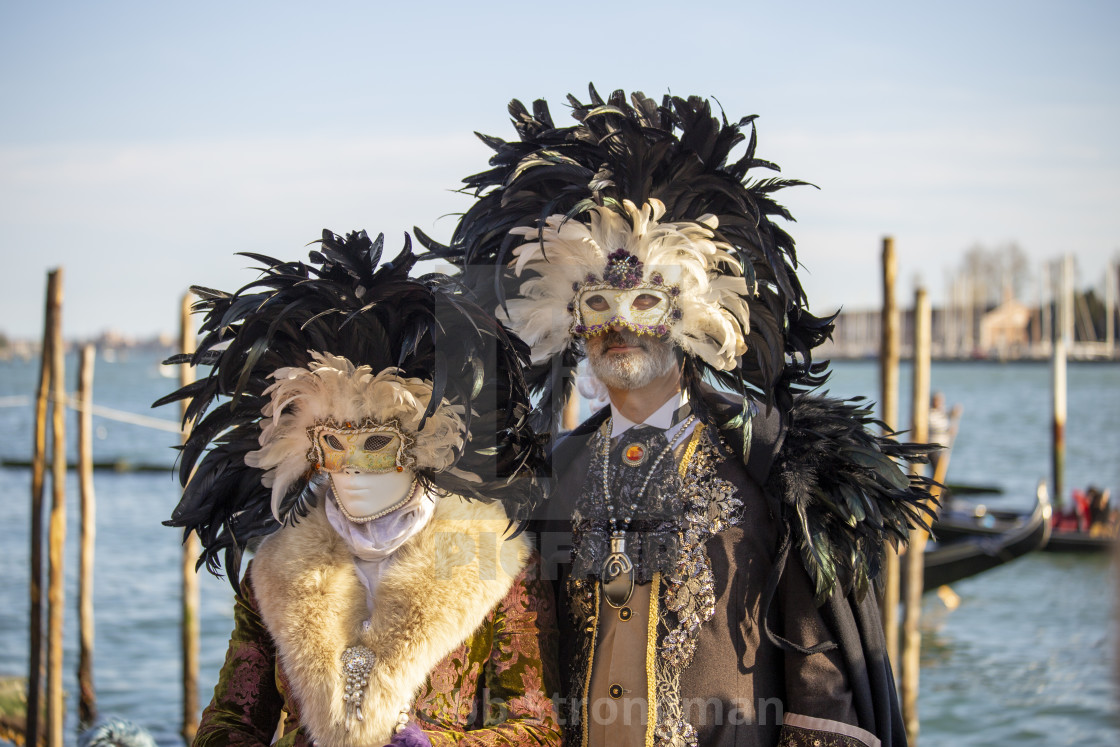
point(1063, 339)
point(1110, 274)
point(570, 417)
point(33, 733)
point(87, 699)
point(914, 558)
point(888, 404)
point(1058, 437)
point(56, 589)
point(191, 550)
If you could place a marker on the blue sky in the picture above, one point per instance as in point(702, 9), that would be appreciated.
point(142, 144)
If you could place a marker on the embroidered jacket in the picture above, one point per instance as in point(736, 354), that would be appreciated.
point(731, 646)
point(460, 629)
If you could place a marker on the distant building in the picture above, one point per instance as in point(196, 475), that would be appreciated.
point(1000, 332)
point(1004, 331)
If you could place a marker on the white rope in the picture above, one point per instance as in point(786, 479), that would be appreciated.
point(146, 421)
point(121, 416)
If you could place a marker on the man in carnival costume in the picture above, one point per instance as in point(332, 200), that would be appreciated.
point(367, 437)
point(724, 539)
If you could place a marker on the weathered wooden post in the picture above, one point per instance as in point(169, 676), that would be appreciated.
point(87, 699)
point(888, 403)
point(35, 669)
point(913, 563)
point(1063, 338)
point(191, 549)
point(1110, 272)
point(56, 589)
point(1058, 437)
point(570, 417)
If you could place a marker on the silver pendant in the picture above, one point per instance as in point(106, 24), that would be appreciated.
point(617, 575)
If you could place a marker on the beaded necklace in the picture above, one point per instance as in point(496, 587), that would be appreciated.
point(618, 562)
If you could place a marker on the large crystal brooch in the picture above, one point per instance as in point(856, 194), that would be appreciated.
point(357, 663)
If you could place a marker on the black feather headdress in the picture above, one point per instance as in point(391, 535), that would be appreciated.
point(547, 197)
point(679, 154)
point(342, 304)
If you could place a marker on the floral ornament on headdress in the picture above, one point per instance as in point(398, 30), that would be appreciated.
point(590, 275)
point(333, 397)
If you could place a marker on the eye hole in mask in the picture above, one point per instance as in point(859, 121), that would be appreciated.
point(597, 303)
point(376, 443)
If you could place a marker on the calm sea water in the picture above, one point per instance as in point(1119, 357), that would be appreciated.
point(1028, 658)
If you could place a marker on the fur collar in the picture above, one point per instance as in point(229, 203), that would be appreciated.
point(441, 585)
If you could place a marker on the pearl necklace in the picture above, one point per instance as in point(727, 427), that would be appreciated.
point(378, 514)
point(618, 562)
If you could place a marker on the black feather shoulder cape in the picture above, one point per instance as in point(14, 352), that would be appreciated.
point(840, 482)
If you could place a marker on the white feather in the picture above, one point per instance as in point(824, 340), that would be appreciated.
point(715, 319)
point(333, 388)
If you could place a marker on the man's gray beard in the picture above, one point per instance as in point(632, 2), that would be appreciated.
point(632, 370)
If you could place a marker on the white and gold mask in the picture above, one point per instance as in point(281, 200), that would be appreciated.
point(368, 466)
point(372, 447)
point(625, 297)
point(360, 427)
point(644, 310)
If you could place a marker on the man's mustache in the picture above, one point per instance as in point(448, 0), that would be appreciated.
point(613, 337)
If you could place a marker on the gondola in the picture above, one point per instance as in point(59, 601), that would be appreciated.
point(965, 520)
point(1063, 541)
point(958, 555)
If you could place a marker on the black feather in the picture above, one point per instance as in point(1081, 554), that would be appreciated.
point(847, 491)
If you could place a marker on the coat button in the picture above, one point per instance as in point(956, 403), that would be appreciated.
point(625, 614)
point(615, 691)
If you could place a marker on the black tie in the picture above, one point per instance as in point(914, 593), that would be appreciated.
point(635, 454)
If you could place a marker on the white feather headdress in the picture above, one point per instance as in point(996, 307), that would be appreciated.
point(331, 388)
point(711, 317)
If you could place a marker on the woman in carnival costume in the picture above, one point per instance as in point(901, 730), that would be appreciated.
point(364, 434)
